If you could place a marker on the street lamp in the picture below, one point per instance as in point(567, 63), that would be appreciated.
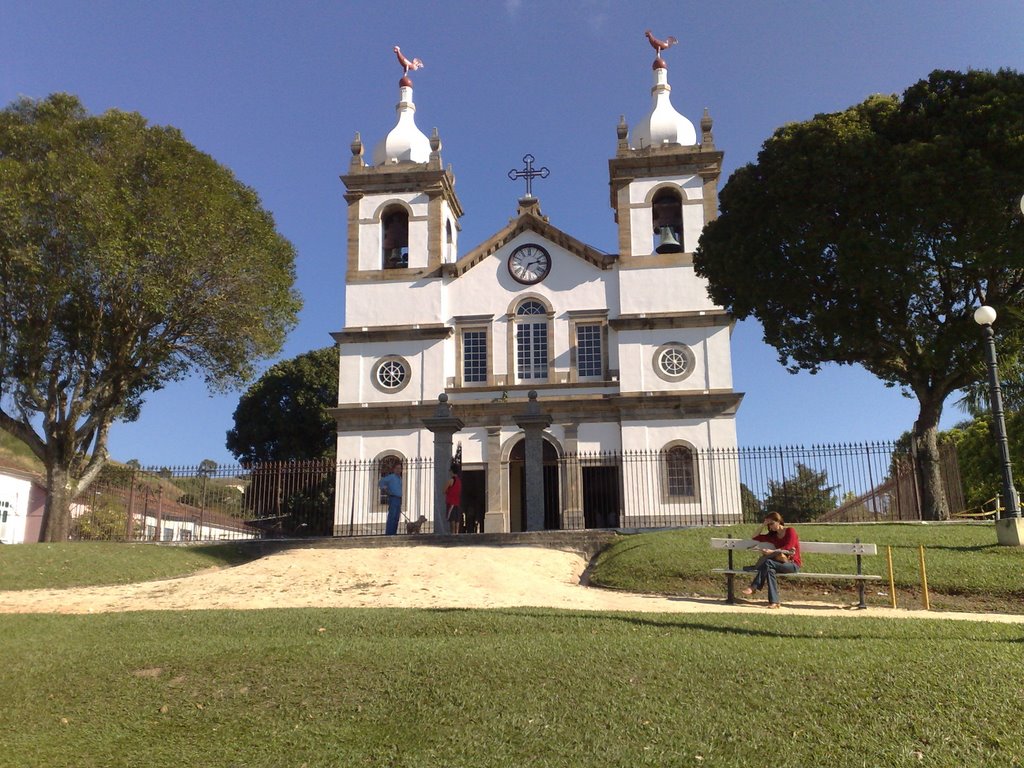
point(985, 316)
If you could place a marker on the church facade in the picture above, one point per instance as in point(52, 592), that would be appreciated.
point(626, 352)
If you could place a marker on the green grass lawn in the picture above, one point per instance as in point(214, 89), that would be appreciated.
point(82, 564)
point(966, 569)
point(528, 687)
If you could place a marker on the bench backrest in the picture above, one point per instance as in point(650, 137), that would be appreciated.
point(812, 547)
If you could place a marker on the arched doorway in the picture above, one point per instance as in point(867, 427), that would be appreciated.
point(517, 487)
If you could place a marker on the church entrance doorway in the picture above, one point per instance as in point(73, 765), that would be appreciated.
point(600, 496)
point(474, 499)
point(517, 488)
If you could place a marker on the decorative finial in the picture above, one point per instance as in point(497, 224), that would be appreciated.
point(407, 64)
point(529, 174)
point(532, 406)
point(659, 45)
point(706, 137)
point(444, 409)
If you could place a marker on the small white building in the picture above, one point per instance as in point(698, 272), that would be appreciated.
point(22, 503)
point(625, 350)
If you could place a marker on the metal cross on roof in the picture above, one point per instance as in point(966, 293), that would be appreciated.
point(529, 173)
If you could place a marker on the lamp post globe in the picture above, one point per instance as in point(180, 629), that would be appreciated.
point(984, 315)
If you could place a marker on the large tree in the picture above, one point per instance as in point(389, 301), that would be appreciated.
point(868, 237)
point(283, 416)
point(128, 259)
point(804, 497)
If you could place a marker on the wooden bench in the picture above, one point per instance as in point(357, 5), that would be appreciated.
point(806, 547)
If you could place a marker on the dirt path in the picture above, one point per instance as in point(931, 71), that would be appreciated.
point(407, 577)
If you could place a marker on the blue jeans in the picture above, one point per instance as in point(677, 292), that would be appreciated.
point(766, 571)
point(394, 513)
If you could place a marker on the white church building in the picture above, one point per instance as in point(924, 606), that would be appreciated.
point(626, 351)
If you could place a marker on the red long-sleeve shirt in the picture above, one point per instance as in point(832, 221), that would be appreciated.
point(787, 540)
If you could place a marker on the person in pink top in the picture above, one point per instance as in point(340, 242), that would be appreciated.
point(453, 500)
point(782, 555)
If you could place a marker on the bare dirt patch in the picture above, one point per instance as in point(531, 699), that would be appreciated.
point(408, 577)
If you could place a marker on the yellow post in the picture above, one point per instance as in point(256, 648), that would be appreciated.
point(924, 578)
point(892, 581)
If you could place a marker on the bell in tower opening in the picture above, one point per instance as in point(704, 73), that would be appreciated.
point(667, 219)
point(395, 241)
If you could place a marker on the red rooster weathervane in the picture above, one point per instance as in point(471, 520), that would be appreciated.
point(406, 63)
point(659, 45)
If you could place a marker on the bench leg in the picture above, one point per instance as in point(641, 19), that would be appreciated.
point(863, 602)
point(860, 582)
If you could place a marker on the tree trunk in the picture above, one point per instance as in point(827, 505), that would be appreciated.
point(59, 495)
point(934, 505)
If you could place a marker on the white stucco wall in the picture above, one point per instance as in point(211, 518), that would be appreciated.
point(712, 363)
point(14, 500)
point(425, 360)
point(592, 438)
point(392, 303)
point(662, 289)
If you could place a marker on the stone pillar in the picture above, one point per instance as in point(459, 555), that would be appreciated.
point(443, 424)
point(496, 517)
point(533, 423)
point(572, 489)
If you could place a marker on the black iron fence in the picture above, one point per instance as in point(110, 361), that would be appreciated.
point(632, 490)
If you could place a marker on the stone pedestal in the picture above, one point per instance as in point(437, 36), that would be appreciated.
point(443, 424)
point(495, 522)
point(1010, 532)
point(533, 423)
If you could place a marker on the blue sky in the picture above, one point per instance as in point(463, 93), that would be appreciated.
point(276, 91)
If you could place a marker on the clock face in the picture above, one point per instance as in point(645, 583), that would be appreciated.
point(529, 264)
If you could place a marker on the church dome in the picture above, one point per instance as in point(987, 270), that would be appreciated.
point(663, 126)
point(405, 143)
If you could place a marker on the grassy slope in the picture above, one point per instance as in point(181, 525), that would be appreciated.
point(962, 560)
point(15, 453)
point(521, 687)
point(74, 564)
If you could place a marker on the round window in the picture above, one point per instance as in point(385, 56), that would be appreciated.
point(390, 374)
point(673, 362)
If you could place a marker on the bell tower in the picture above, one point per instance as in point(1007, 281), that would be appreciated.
point(403, 212)
point(664, 189)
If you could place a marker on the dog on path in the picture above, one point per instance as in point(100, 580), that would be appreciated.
point(414, 526)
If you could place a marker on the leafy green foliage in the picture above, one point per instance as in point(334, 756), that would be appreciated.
point(751, 507)
point(283, 416)
point(979, 459)
point(128, 259)
point(868, 237)
point(103, 521)
point(803, 497)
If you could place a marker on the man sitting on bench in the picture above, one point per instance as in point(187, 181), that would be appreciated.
point(781, 556)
